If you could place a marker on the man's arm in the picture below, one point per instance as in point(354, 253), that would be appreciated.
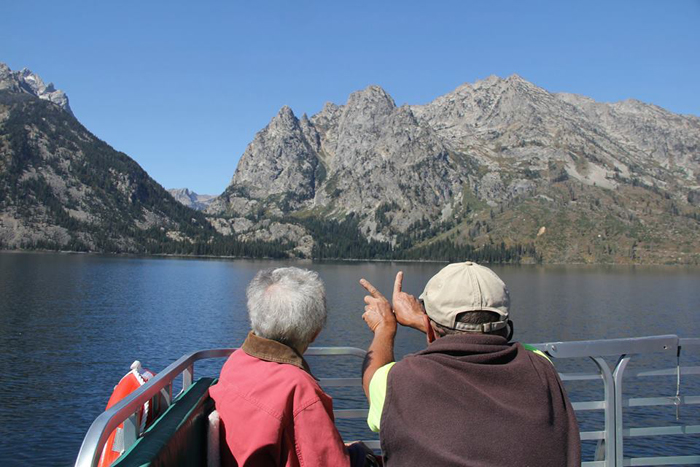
point(381, 321)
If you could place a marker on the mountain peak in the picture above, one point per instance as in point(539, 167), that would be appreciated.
point(286, 114)
point(286, 111)
point(329, 107)
point(191, 199)
point(490, 79)
point(373, 91)
point(30, 83)
point(184, 191)
point(285, 118)
point(518, 81)
point(372, 97)
point(516, 78)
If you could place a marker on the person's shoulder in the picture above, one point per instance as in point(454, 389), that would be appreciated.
point(299, 376)
point(408, 365)
point(245, 369)
point(232, 363)
point(268, 383)
point(534, 351)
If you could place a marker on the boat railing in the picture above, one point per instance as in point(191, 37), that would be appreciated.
point(611, 439)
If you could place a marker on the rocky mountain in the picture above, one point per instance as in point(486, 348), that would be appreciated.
point(498, 170)
point(191, 199)
point(62, 188)
point(24, 81)
point(500, 164)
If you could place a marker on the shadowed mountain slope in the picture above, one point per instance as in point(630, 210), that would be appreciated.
point(62, 188)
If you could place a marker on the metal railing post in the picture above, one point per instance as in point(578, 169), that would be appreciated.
point(130, 431)
point(609, 411)
point(619, 421)
point(187, 377)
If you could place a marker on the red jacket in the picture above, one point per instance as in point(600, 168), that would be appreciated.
point(273, 411)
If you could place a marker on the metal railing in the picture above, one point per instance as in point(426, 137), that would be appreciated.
point(610, 440)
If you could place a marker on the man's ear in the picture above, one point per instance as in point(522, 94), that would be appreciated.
point(510, 330)
point(430, 332)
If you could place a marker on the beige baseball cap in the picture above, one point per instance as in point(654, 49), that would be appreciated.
point(463, 287)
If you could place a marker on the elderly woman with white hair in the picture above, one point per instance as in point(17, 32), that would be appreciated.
point(272, 410)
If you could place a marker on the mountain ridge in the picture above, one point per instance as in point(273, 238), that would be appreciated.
point(497, 143)
point(500, 170)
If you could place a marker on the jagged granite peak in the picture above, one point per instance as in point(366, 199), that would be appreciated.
point(281, 160)
point(358, 127)
point(366, 109)
point(285, 116)
point(372, 96)
point(499, 143)
point(191, 199)
point(26, 81)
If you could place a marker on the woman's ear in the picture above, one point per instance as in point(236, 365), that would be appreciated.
point(510, 331)
point(429, 331)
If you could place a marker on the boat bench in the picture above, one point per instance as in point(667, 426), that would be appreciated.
point(179, 437)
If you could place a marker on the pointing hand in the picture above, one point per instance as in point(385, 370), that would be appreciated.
point(378, 313)
point(408, 310)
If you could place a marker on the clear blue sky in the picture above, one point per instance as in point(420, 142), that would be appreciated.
point(182, 87)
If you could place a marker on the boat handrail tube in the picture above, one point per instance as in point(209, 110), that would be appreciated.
point(109, 420)
point(334, 351)
point(686, 342)
point(611, 347)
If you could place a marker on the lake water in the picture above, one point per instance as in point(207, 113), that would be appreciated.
point(70, 326)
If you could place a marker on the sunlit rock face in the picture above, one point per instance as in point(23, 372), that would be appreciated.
point(502, 147)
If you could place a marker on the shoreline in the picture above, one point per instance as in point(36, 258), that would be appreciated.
point(339, 260)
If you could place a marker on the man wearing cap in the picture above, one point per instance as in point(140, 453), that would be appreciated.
point(471, 397)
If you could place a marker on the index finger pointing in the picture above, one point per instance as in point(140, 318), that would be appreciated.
point(370, 288)
point(397, 283)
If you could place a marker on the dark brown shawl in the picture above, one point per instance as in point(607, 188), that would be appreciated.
point(477, 400)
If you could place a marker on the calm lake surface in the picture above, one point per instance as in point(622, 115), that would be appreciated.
point(70, 326)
